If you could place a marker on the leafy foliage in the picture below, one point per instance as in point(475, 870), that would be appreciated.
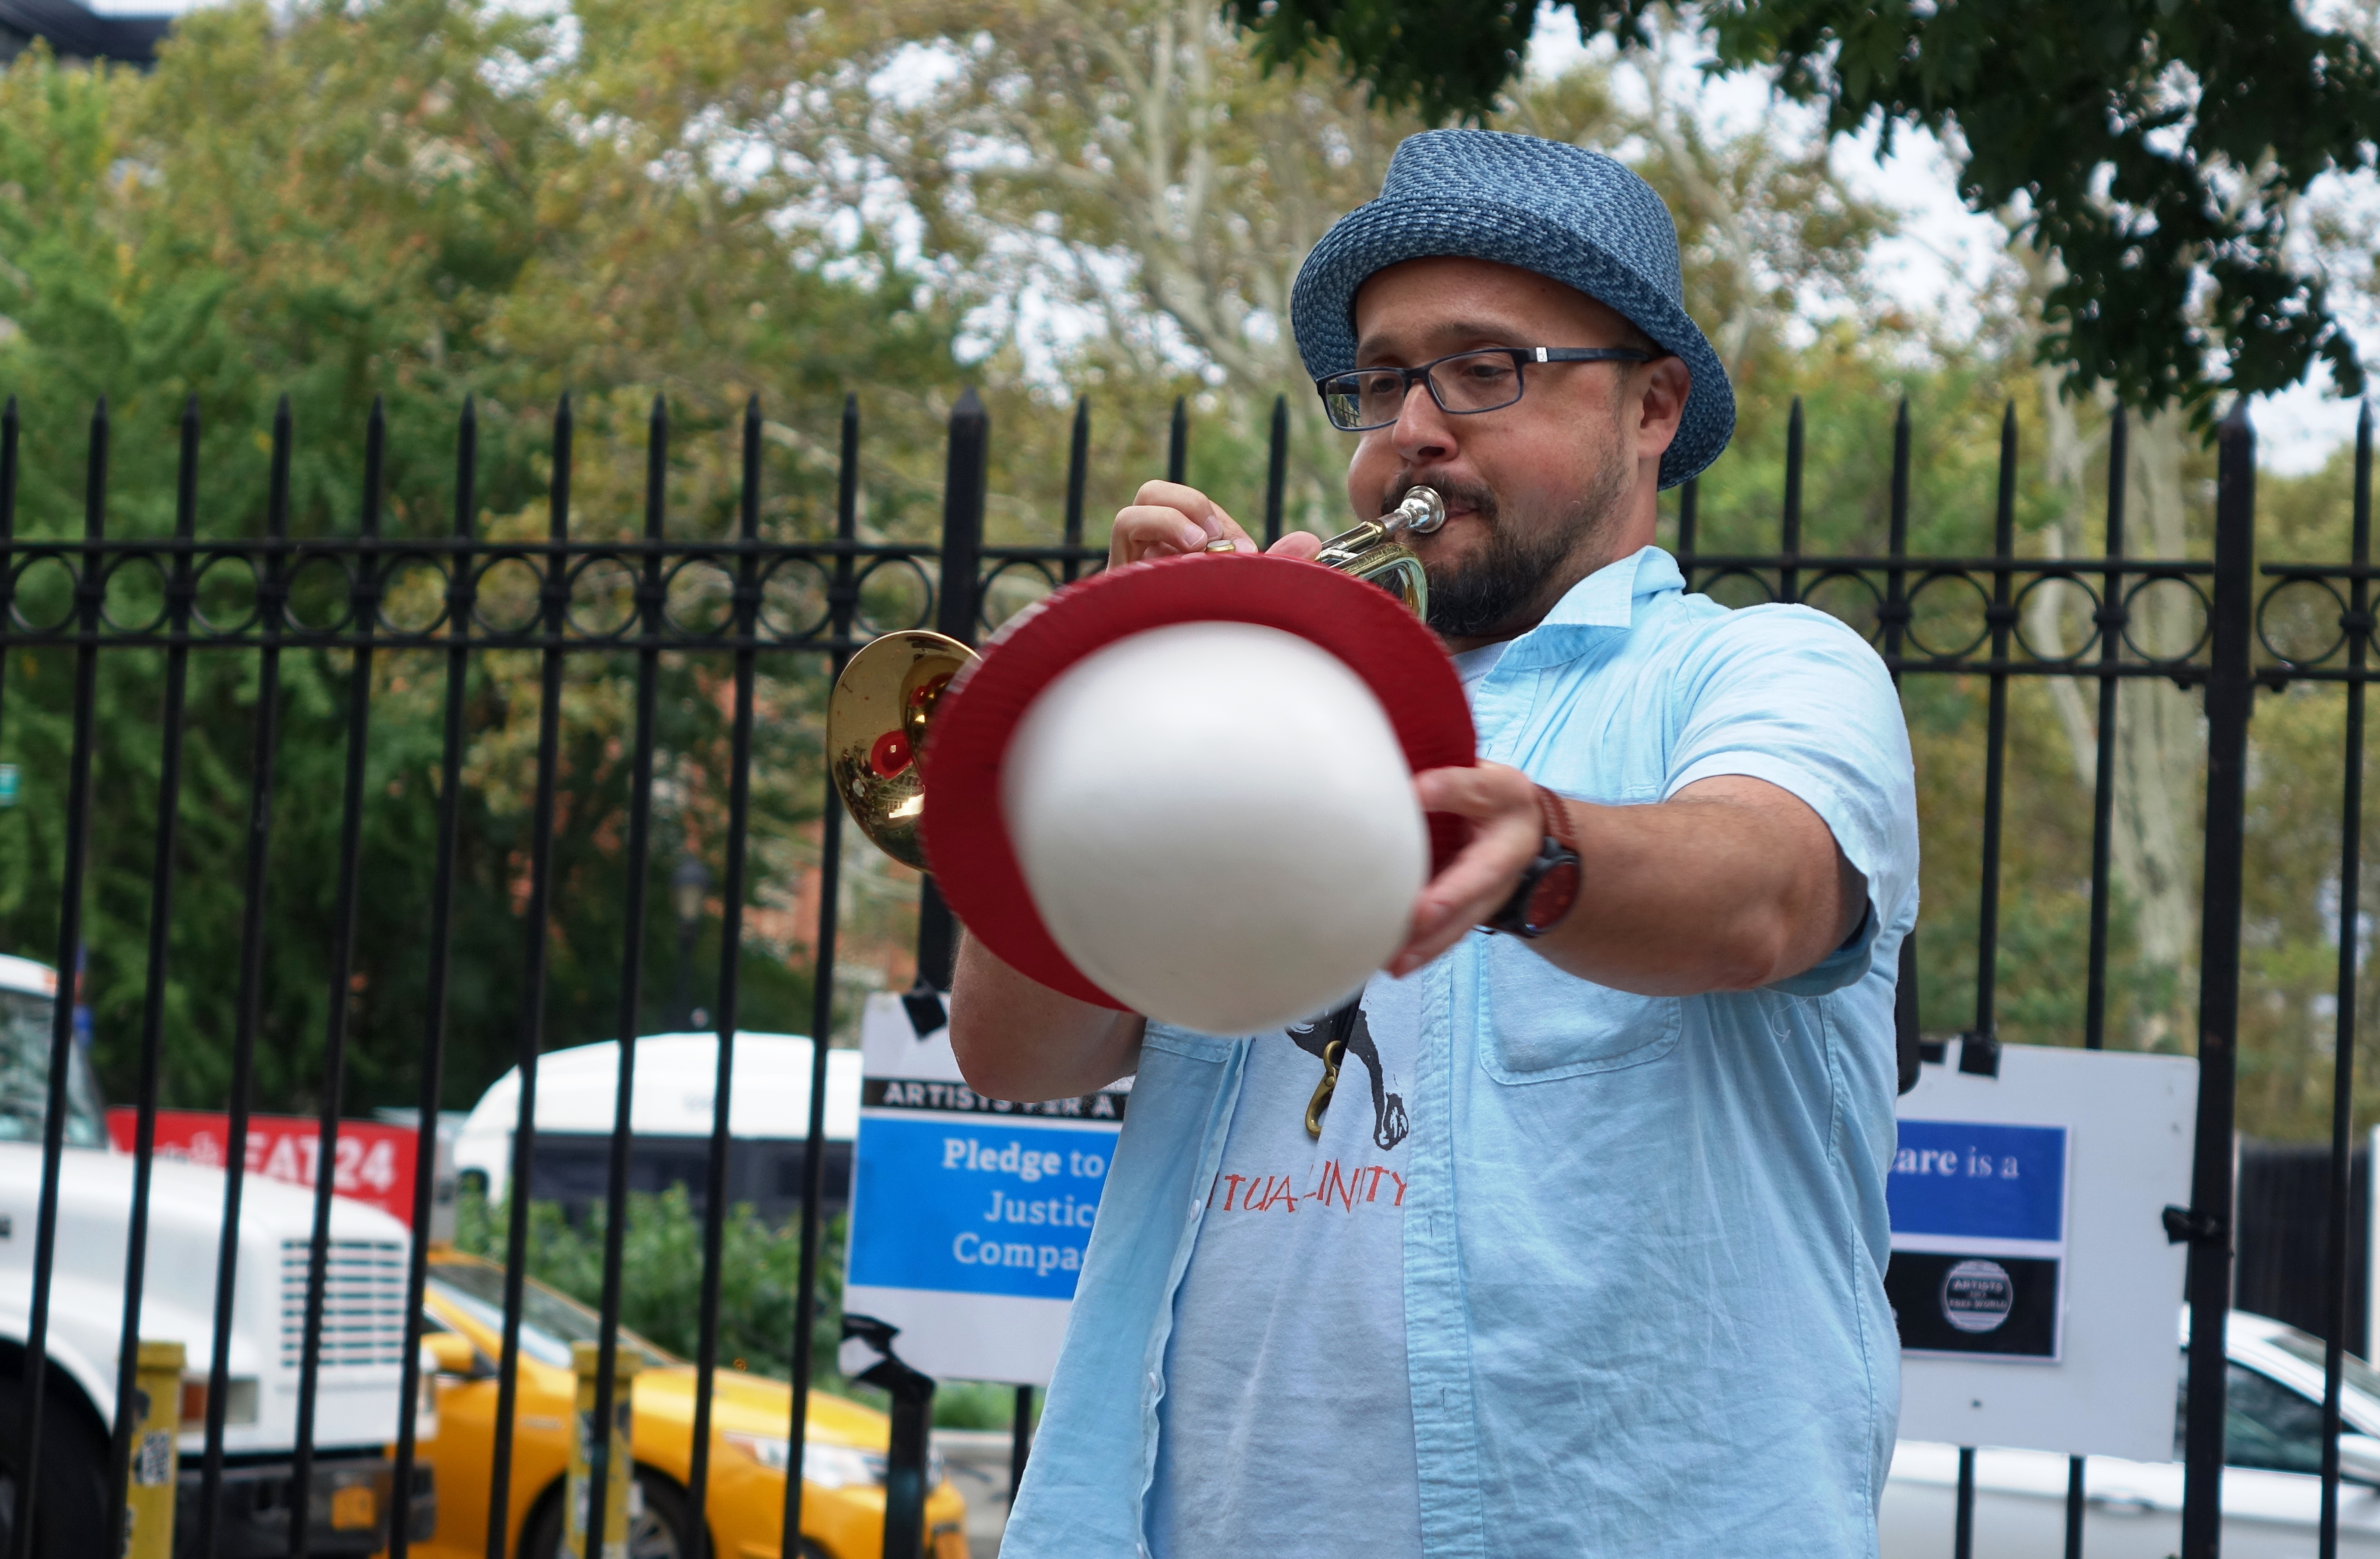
point(2158, 146)
point(407, 203)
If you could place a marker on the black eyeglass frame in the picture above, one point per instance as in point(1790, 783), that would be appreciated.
point(1420, 374)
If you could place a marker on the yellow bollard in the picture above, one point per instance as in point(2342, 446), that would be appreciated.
point(621, 1476)
point(156, 1428)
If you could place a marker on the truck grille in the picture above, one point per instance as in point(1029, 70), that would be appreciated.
point(363, 1303)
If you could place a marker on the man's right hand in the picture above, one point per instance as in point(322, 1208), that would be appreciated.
point(1166, 519)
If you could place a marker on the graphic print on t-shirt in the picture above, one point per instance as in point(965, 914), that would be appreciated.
point(1348, 1028)
point(1289, 1325)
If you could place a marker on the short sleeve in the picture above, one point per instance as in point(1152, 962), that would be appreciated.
point(1790, 696)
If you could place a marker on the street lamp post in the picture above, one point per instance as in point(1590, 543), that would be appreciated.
point(689, 891)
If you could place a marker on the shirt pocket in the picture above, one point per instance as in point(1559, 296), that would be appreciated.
point(1542, 1025)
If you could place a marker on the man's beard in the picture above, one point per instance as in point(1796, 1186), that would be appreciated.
point(1489, 591)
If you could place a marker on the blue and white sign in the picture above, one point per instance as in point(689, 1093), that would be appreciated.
point(969, 1215)
point(2035, 1293)
point(1978, 1238)
point(974, 1207)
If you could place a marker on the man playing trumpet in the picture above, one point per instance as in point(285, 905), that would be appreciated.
point(1584, 1253)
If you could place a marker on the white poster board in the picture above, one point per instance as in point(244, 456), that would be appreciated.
point(968, 1214)
point(2038, 1298)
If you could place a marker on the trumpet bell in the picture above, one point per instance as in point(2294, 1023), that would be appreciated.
point(876, 722)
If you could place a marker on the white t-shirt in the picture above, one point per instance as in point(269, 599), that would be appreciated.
point(1286, 1427)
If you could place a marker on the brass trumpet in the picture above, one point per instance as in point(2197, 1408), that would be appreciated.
point(882, 709)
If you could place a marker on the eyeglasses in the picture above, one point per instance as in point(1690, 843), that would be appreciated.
point(1463, 385)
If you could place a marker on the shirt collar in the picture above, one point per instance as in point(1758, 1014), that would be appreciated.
point(1605, 599)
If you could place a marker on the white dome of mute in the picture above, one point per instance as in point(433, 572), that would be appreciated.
point(1217, 823)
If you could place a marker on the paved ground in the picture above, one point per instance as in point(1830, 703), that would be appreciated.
point(978, 1462)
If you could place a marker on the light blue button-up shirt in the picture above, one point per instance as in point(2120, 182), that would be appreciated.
point(1644, 1237)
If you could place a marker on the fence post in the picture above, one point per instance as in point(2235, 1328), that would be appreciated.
point(461, 596)
point(1276, 469)
point(2356, 623)
point(90, 593)
point(965, 477)
point(842, 598)
point(2208, 1225)
point(554, 621)
point(180, 592)
point(1893, 618)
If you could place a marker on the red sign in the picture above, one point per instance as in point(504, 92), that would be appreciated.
point(375, 1162)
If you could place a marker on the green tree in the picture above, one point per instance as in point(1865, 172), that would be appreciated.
point(405, 202)
point(2159, 148)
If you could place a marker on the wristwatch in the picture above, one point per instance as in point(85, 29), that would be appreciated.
point(1549, 885)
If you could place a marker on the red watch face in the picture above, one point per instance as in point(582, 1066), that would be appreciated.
point(1554, 893)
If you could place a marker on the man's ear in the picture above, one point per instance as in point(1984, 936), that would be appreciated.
point(1667, 382)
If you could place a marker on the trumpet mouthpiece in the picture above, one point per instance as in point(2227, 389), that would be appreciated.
point(1422, 511)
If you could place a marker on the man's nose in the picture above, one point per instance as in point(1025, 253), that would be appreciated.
point(1424, 434)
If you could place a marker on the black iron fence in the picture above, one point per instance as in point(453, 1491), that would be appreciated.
point(1893, 594)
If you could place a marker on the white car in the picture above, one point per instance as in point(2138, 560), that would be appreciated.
point(2272, 1480)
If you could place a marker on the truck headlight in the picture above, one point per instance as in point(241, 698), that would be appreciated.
point(239, 1400)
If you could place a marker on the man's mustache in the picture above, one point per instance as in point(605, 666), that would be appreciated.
point(1472, 496)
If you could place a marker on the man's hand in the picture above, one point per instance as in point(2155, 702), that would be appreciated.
point(1500, 804)
point(1166, 519)
point(1730, 885)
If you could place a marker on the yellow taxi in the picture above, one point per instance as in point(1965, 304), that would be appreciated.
point(842, 1462)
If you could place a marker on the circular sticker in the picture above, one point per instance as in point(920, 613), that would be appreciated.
point(1977, 1296)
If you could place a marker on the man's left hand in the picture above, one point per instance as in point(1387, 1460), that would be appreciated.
point(1507, 827)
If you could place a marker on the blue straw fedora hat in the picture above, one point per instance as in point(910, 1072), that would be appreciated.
point(1563, 212)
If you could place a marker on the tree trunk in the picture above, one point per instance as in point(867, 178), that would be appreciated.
point(2160, 746)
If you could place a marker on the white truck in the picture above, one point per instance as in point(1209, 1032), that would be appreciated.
point(362, 1379)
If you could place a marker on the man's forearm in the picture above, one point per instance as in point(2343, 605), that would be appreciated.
point(1017, 1039)
point(1730, 886)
